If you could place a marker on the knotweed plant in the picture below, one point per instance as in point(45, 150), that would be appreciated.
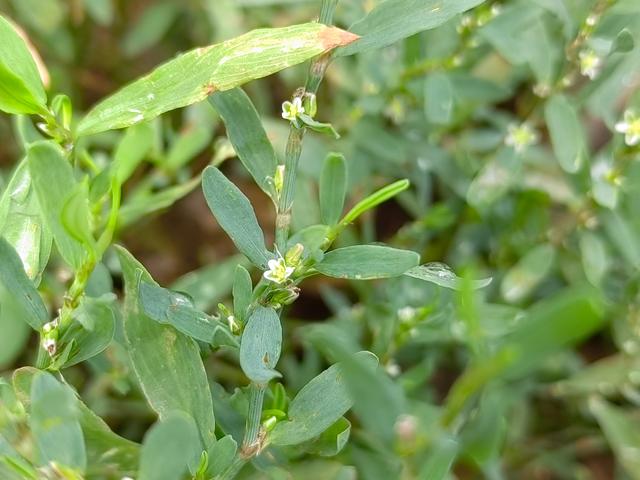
point(440, 142)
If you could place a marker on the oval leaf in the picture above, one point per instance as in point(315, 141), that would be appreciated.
point(260, 346)
point(442, 274)
point(366, 262)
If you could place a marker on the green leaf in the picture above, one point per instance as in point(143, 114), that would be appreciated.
point(195, 75)
point(595, 258)
point(54, 423)
point(394, 20)
point(260, 346)
point(609, 376)
point(332, 440)
point(14, 325)
point(76, 216)
point(210, 284)
point(221, 455)
point(103, 446)
point(319, 405)
point(166, 363)
point(366, 262)
point(333, 188)
point(53, 180)
point(442, 275)
point(242, 293)
point(144, 205)
point(21, 89)
point(235, 215)
point(93, 330)
point(439, 100)
point(247, 135)
point(132, 149)
point(175, 309)
point(440, 459)
point(526, 275)
point(153, 24)
point(14, 279)
point(623, 43)
point(567, 135)
point(374, 200)
point(169, 448)
point(553, 324)
point(22, 225)
point(191, 141)
point(622, 431)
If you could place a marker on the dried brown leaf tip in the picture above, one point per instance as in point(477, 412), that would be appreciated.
point(332, 37)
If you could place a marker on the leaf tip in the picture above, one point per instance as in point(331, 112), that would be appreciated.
point(333, 37)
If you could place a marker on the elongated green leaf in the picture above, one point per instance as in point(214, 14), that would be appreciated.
point(192, 140)
point(21, 89)
point(373, 200)
point(235, 215)
point(393, 20)
point(167, 363)
point(132, 149)
point(365, 262)
point(439, 99)
point(247, 135)
point(153, 24)
point(22, 225)
point(622, 430)
point(54, 423)
point(103, 446)
point(527, 273)
point(15, 281)
point(221, 455)
point(260, 346)
point(76, 216)
point(195, 75)
point(319, 404)
point(441, 274)
point(440, 460)
point(242, 293)
point(333, 188)
point(332, 440)
point(169, 448)
point(175, 309)
point(93, 330)
point(553, 324)
point(53, 181)
point(567, 136)
point(608, 376)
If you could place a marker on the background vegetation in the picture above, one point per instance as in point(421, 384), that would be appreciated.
point(517, 124)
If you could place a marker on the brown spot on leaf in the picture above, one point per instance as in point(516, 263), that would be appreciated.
point(265, 359)
point(209, 88)
point(332, 37)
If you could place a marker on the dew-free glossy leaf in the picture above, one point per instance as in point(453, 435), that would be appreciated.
point(442, 275)
point(439, 100)
point(221, 455)
point(235, 215)
point(242, 293)
point(319, 404)
point(393, 20)
point(21, 89)
point(54, 423)
point(15, 281)
point(365, 262)
point(440, 459)
point(22, 225)
point(166, 363)
point(132, 149)
point(247, 135)
point(169, 447)
point(333, 188)
point(260, 345)
point(195, 75)
point(567, 136)
point(521, 280)
point(53, 181)
point(175, 309)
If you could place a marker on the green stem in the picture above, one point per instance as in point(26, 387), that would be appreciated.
point(254, 416)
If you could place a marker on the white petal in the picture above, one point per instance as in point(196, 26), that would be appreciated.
point(633, 139)
point(622, 127)
point(273, 264)
point(288, 271)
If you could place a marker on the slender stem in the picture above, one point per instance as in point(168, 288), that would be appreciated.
point(254, 415)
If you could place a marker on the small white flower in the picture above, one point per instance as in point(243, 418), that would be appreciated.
point(393, 369)
point(292, 110)
point(590, 63)
point(630, 126)
point(49, 327)
point(406, 314)
point(520, 137)
point(278, 271)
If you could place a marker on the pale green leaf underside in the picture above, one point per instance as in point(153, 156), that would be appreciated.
point(193, 76)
